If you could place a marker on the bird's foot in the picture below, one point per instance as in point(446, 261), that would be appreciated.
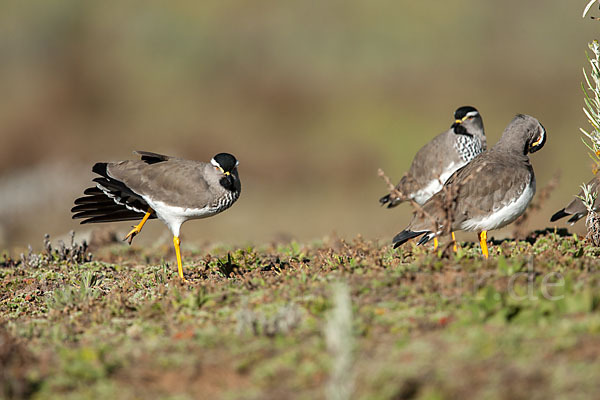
point(483, 244)
point(136, 229)
point(454, 244)
point(132, 233)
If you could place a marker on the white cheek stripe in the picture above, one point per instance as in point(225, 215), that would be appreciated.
point(541, 139)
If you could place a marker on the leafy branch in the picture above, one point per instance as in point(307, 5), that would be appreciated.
point(592, 104)
point(588, 197)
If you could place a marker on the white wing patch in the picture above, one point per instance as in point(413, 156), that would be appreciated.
point(435, 185)
point(118, 200)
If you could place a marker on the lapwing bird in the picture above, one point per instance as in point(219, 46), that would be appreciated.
point(441, 157)
point(171, 189)
point(488, 193)
point(576, 209)
point(437, 160)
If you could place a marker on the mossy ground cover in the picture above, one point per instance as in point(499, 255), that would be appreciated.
point(251, 322)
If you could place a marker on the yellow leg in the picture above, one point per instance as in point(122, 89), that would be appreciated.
point(177, 242)
point(136, 229)
point(483, 243)
point(454, 246)
point(435, 243)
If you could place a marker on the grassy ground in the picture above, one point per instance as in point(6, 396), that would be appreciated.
point(273, 322)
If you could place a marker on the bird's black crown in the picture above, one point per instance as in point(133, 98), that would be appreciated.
point(226, 161)
point(462, 111)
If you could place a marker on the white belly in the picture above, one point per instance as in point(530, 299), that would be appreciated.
point(174, 216)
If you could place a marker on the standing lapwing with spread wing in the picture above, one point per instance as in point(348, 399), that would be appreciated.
point(441, 157)
point(488, 193)
point(171, 189)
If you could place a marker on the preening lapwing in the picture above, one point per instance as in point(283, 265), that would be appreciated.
point(441, 157)
point(171, 189)
point(488, 193)
point(576, 209)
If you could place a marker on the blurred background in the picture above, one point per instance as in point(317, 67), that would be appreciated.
point(311, 97)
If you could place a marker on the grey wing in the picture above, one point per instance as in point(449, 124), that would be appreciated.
point(433, 159)
point(480, 186)
point(175, 181)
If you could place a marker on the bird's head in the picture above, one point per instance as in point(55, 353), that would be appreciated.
point(523, 134)
point(226, 165)
point(467, 121)
point(537, 138)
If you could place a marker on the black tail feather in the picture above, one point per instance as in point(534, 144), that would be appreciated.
point(96, 212)
point(93, 191)
point(575, 218)
point(124, 215)
point(111, 184)
point(391, 202)
point(424, 239)
point(93, 199)
point(385, 199)
point(558, 215)
point(100, 169)
point(405, 236)
point(119, 203)
point(98, 205)
point(151, 158)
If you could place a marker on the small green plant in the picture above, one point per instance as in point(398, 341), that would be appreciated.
point(588, 197)
point(591, 138)
point(74, 253)
point(592, 222)
point(75, 295)
point(592, 104)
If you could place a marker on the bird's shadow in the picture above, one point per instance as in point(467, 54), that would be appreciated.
point(532, 237)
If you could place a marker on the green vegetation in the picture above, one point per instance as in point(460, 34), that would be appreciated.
point(258, 323)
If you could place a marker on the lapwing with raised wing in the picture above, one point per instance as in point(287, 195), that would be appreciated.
point(171, 189)
point(488, 193)
point(441, 157)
